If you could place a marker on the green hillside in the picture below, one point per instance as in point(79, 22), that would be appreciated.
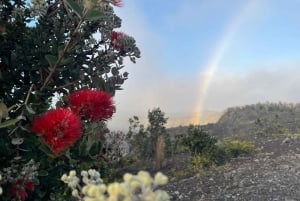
point(261, 119)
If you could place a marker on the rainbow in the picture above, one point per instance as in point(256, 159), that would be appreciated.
point(207, 75)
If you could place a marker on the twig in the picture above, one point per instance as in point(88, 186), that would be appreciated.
point(28, 94)
point(65, 85)
point(60, 56)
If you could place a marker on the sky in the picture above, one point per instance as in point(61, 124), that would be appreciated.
point(208, 55)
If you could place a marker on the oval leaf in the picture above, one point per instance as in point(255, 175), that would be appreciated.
point(75, 7)
point(114, 71)
point(3, 111)
point(66, 61)
point(93, 15)
point(51, 60)
point(29, 109)
point(43, 173)
point(9, 123)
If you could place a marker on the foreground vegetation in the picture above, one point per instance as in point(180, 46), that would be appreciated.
point(61, 63)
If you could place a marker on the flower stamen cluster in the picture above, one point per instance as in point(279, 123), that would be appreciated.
point(20, 188)
point(59, 129)
point(95, 105)
point(123, 43)
point(116, 40)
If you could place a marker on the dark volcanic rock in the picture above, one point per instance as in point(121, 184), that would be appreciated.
point(265, 177)
point(273, 174)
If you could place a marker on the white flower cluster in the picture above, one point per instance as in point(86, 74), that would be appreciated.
point(30, 170)
point(17, 170)
point(88, 177)
point(140, 187)
point(91, 177)
point(72, 180)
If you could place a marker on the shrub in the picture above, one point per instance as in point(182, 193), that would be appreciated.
point(201, 162)
point(219, 154)
point(237, 148)
point(150, 142)
point(227, 149)
point(198, 141)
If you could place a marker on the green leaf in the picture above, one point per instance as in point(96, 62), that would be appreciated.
point(82, 149)
point(98, 82)
point(29, 109)
point(66, 61)
point(68, 154)
point(51, 60)
point(40, 193)
point(3, 111)
point(9, 123)
point(93, 15)
point(95, 148)
point(46, 150)
point(43, 173)
point(75, 7)
point(114, 71)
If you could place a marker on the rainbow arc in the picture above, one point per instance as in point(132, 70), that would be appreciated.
point(207, 75)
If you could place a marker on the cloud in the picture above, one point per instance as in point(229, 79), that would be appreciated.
point(175, 96)
point(259, 85)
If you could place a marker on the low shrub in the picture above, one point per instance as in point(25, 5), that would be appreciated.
point(177, 173)
point(219, 154)
point(237, 148)
point(227, 149)
point(201, 162)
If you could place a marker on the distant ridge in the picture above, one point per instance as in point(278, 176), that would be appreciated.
point(195, 119)
point(261, 119)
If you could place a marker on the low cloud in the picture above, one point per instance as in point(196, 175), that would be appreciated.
point(273, 85)
point(178, 97)
point(146, 90)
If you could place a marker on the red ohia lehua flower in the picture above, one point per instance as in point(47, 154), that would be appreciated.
point(116, 40)
point(18, 190)
point(95, 105)
point(117, 3)
point(59, 129)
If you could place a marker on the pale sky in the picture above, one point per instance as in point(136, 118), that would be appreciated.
point(200, 55)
